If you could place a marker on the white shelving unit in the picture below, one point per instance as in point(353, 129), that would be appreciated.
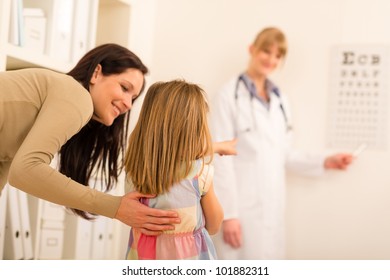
point(16, 57)
point(109, 22)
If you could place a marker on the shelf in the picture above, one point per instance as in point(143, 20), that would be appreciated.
point(18, 57)
point(121, 12)
point(110, 2)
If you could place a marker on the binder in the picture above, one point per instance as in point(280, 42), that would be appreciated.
point(81, 28)
point(51, 240)
point(99, 238)
point(13, 247)
point(3, 209)
point(34, 29)
point(61, 31)
point(102, 234)
point(58, 25)
point(13, 35)
point(109, 243)
point(16, 26)
point(77, 238)
point(20, 23)
point(26, 235)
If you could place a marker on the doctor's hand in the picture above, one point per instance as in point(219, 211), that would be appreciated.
point(232, 234)
point(148, 220)
point(338, 161)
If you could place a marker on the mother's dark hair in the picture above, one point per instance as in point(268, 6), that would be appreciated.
point(97, 148)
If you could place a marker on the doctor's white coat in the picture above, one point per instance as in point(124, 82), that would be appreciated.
point(251, 185)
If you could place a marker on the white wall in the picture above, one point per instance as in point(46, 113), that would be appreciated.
point(342, 215)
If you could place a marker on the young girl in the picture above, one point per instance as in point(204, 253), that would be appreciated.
point(169, 156)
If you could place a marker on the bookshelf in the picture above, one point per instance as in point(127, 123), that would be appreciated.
point(98, 22)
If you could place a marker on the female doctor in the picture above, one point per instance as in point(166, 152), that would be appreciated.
point(251, 185)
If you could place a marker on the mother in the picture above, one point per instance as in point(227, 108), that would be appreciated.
point(82, 115)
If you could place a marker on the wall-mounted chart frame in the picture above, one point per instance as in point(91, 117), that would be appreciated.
point(358, 101)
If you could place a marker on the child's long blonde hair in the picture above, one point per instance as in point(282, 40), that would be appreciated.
point(171, 133)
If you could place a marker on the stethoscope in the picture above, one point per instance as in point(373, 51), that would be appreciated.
point(251, 93)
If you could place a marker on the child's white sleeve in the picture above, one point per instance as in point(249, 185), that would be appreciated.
point(206, 179)
point(129, 186)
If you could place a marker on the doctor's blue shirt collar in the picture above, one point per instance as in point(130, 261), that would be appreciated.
point(269, 85)
point(271, 89)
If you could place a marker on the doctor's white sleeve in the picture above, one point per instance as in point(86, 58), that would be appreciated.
point(222, 123)
point(305, 163)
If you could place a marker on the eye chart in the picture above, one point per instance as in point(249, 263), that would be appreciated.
point(358, 97)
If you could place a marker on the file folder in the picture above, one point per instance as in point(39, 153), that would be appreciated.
point(13, 247)
point(3, 209)
point(28, 253)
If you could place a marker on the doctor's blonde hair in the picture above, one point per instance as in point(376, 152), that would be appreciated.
point(270, 36)
point(171, 132)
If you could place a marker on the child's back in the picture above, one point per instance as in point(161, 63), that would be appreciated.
point(168, 155)
point(190, 239)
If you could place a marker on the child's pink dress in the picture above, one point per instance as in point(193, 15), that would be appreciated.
point(190, 240)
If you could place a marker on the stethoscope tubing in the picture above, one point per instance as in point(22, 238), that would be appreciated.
point(275, 90)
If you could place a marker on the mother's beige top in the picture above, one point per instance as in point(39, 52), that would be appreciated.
point(39, 111)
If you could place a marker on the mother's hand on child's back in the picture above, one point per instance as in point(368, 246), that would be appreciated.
point(148, 220)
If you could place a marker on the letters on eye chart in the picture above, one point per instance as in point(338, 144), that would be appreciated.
point(358, 96)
